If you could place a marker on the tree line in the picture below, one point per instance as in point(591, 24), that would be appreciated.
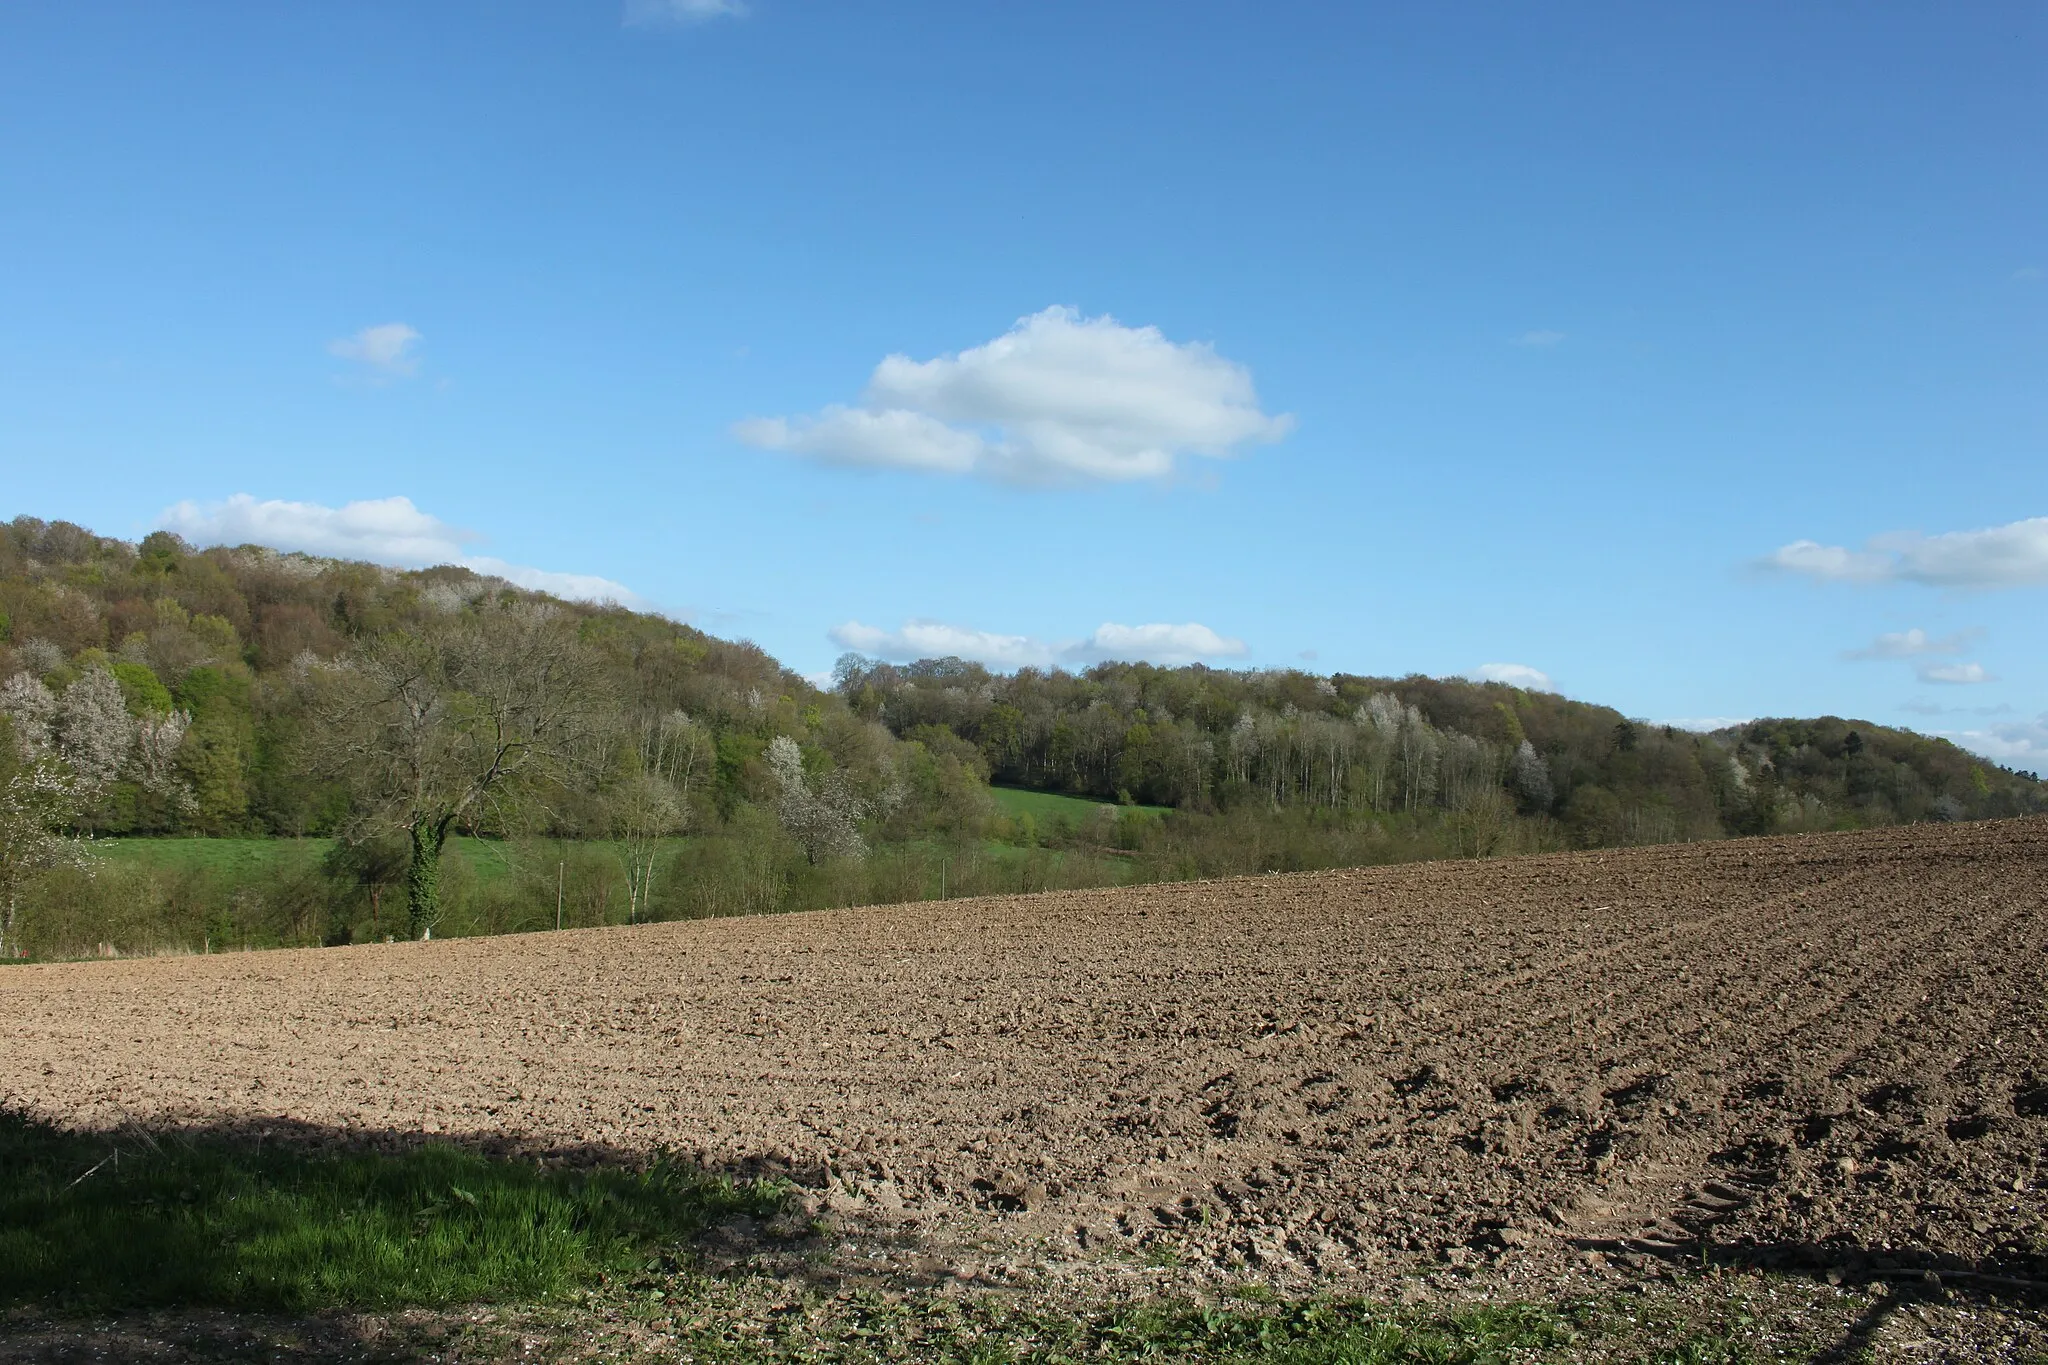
point(153, 689)
point(1202, 739)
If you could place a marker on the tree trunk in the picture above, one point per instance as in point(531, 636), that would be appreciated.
point(423, 878)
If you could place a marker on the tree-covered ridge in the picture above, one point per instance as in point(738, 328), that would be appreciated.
point(1198, 738)
point(225, 637)
point(622, 765)
point(305, 696)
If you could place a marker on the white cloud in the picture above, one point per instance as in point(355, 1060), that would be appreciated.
point(1928, 708)
point(1829, 563)
point(2029, 274)
point(1059, 398)
point(2022, 744)
point(386, 350)
point(1962, 674)
point(1514, 675)
point(385, 530)
point(382, 530)
point(1158, 643)
point(575, 587)
point(894, 439)
point(1540, 337)
point(936, 640)
point(2013, 555)
point(1911, 644)
point(653, 12)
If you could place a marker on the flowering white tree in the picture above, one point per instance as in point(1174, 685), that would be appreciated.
point(1531, 777)
point(825, 819)
point(32, 709)
point(156, 744)
point(95, 733)
point(36, 801)
point(68, 750)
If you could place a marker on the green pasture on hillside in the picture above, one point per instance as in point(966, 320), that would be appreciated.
point(1044, 806)
point(251, 860)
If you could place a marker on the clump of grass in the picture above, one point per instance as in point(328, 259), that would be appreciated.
point(130, 1221)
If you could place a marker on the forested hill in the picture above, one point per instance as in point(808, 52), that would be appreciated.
point(1195, 737)
point(219, 646)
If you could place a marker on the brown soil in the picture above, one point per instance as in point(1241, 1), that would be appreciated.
point(1821, 1052)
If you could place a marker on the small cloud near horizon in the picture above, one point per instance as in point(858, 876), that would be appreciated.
point(1157, 643)
point(386, 351)
point(2018, 744)
point(1706, 724)
point(1514, 675)
point(1059, 399)
point(390, 531)
point(1539, 337)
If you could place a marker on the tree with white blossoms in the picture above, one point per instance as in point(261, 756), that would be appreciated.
point(32, 710)
point(68, 751)
point(824, 818)
point(157, 738)
point(1531, 778)
point(95, 734)
point(36, 801)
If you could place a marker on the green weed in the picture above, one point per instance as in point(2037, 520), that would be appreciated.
point(117, 1222)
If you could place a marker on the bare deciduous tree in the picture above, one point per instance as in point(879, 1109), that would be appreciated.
point(652, 801)
point(456, 720)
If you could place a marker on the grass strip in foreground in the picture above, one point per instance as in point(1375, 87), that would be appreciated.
point(130, 1220)
point(709, 1329)
point(1323, 1332)
point(1693, 1320)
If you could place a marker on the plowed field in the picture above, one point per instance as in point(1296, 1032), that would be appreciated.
point(1822, 1051)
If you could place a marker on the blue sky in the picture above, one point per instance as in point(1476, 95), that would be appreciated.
point(1690, 356)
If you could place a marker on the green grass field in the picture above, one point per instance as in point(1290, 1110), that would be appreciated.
point(246, 861)
point(237, 859)
point(1044, 806)
point(249, 860)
